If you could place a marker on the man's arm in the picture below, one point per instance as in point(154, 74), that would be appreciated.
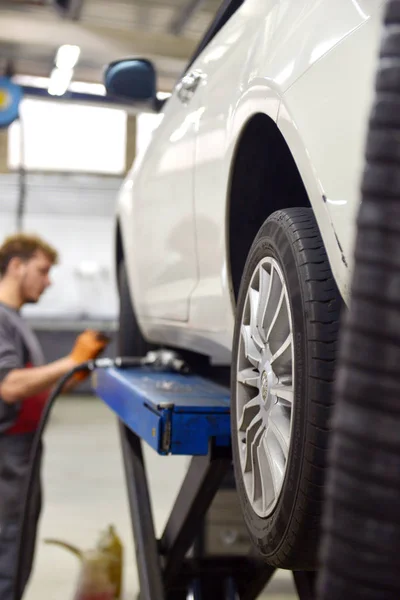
point(18, 383)
point(21, 383)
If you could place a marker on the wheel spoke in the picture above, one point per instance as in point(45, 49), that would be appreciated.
point(279, 426)
point(273, 296)
point(251, 351)
point(254, 305)
point(276, 314)
point(265, 286)
point(256, 473)
point(248, 377)
point(251, 433)
point(284, 353)
point(267, 482)
point(250, 410)
point(283, 392)
point(275, 459)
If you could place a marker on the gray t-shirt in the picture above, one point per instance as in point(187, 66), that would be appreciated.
point(19, 347)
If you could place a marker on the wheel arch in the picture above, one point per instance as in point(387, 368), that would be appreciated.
point(264, 178)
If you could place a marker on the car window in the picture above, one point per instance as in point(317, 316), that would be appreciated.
point(224, 13)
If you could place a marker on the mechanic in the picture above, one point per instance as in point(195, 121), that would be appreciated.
point(25, 383)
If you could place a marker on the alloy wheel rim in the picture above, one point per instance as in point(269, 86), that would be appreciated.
point(265, 386)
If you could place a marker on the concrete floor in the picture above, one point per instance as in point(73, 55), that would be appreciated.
point(84, 492)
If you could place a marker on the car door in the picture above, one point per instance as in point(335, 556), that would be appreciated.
point(163, 235)
point(223, 65)
point(163, 250)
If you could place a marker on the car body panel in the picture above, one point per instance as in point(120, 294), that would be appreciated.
point(279, 58)
point(335, 136)
point(161, 260)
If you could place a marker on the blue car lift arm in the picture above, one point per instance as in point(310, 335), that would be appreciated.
point(181, 414)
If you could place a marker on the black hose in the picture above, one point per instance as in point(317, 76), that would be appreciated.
point(33, 465)
point(120, 362)
point(360, 552)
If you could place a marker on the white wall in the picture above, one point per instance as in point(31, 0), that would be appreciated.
point(64, 136)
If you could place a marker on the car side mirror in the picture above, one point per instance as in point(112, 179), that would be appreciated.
point(133, 79)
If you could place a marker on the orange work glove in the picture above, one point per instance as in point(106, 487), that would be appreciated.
point(88, 346)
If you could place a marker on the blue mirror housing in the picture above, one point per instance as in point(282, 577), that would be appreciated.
point(133, 79)
point(10, 98)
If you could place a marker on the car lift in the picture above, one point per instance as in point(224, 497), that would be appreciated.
point(185, 415)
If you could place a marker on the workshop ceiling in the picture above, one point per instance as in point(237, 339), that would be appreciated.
point(166, 31)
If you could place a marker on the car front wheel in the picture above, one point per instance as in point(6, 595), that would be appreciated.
point(283, 366)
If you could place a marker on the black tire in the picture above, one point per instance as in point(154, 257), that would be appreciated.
point(130, 341)
point(288, 537)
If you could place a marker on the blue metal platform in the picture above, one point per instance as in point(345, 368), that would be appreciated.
point(174, 414)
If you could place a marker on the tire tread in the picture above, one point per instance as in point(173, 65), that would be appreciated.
point(315, 274)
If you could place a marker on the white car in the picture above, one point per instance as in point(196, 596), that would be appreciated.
point(235, 231)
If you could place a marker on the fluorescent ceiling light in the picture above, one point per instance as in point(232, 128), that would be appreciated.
point(59, 81)
point(67, 56)
point(88, 88)
point(33, 80)
point(83, 87)
point(61, 76)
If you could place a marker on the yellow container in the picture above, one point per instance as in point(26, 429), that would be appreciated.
point(102, 567)
point(110, 544)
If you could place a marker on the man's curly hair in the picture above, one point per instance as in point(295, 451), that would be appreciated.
point(24, 246)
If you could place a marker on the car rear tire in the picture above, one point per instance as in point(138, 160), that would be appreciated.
point(283, 366)
point(130, 341)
